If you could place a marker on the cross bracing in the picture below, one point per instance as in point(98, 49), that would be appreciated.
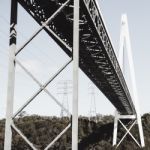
point(79, 29)
point(97, 57)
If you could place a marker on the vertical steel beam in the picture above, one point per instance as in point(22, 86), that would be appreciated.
point(75, 75)
point(121, 63)
point(11, 76)
point(115, 128)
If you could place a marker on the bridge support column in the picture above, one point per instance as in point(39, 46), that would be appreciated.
point(75, 76)
point(11, 76)
point(115, 129)
point(125, 34)
point(125, 43)
point(119, 119)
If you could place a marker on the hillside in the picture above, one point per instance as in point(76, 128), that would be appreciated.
point(92, 136)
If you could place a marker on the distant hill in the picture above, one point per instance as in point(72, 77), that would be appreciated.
point(92, 136)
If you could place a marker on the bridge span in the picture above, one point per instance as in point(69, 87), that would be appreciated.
point(79, 29)
point(97, 57)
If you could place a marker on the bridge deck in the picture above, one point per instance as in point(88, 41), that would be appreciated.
point(97, 58)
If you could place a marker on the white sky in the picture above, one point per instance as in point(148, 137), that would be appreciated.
point(43, 57)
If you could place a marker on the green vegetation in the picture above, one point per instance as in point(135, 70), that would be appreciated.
point(92, 136)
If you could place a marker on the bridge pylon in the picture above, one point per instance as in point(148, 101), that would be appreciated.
point(135, 118)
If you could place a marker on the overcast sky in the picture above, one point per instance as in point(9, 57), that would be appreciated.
point(43, 57)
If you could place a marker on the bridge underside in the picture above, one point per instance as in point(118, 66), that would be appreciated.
point(97, 58)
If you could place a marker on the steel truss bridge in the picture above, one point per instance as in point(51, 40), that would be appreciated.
point(74, 25)
point(97, 57)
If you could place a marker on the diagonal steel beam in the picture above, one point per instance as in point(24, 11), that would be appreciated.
point(130, 133)
point(42, 27)
point(42, 87)
point(58, 38)
point(23, 136)
point(58, 137)
point(32, 145)
point(126, 133)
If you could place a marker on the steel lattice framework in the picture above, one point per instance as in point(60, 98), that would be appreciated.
point(83, 36)
point(97, 57)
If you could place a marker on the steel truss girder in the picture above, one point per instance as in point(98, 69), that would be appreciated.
point(88, 31)
point(92, 8)
point(90, 22)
